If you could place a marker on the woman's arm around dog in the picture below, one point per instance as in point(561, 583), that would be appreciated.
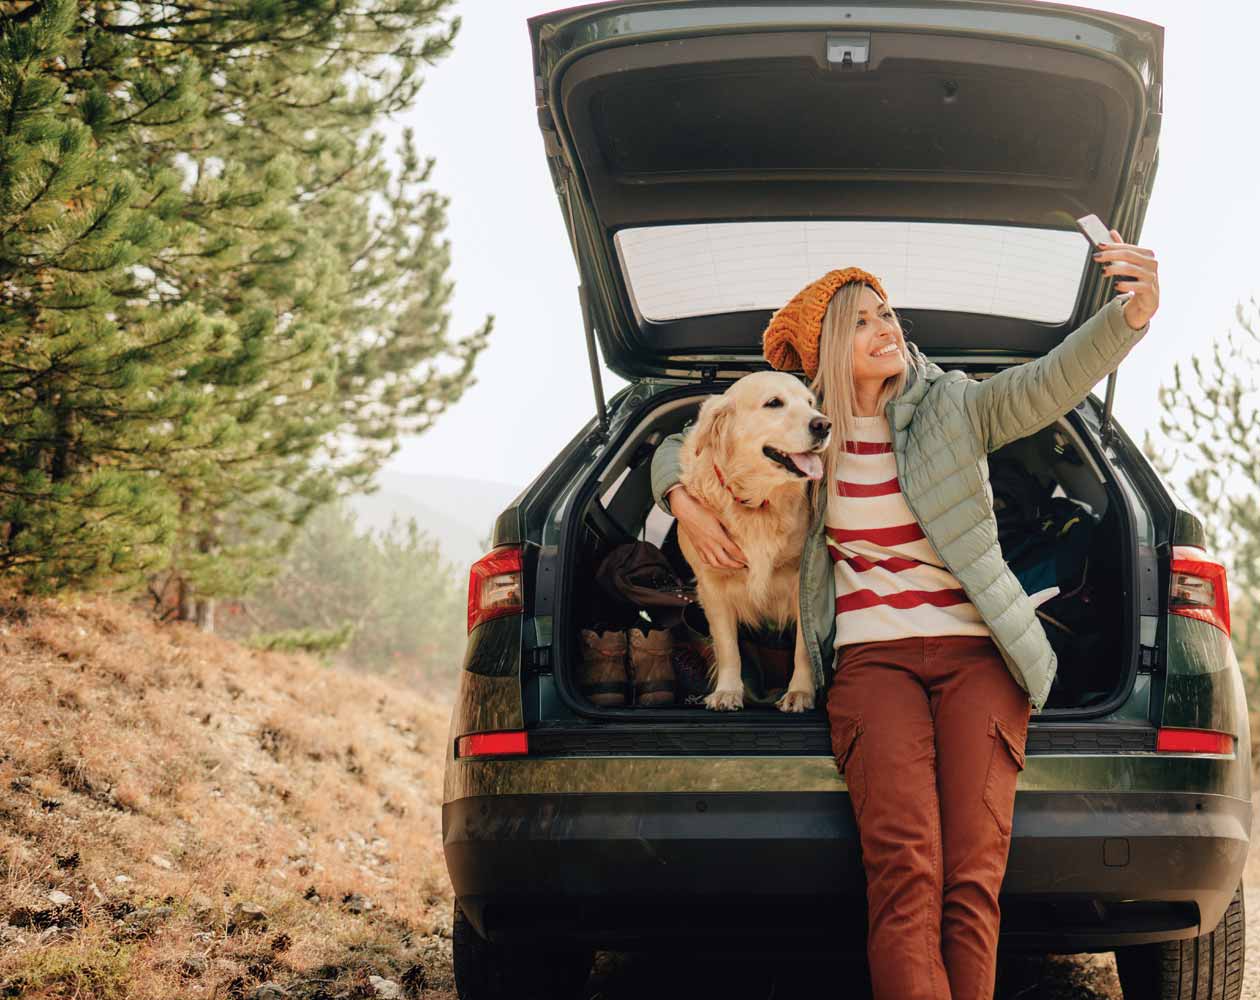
point(667, 469)
point(1025, 398)
point(703, 527)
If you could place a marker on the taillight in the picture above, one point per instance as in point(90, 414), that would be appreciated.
point(492, 744)
point(495, 586)
point(1198, 587)
point(1194, 741)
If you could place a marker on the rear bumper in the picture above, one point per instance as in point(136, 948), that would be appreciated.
point(1087, 871)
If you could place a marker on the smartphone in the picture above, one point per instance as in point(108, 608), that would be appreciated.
point(1093, 227)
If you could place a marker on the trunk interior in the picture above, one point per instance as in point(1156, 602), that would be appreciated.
point(1062, 523)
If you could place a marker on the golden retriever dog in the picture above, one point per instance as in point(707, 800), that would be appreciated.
point(749, 457)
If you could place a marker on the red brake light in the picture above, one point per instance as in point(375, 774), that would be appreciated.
point(492, 744)
point(1194, 741)
point(1198, 587)
point(495, 586)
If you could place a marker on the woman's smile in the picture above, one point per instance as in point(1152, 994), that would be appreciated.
point(878, 348)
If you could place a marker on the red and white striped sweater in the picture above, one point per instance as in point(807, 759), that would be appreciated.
point(890, 582)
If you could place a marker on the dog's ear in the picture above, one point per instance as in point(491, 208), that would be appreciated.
point(712, 424)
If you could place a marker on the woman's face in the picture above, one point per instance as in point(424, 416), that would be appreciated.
point(879, 348)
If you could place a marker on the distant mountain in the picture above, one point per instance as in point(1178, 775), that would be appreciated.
point(459, 513)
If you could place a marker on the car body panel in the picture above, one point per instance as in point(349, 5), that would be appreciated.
point(657, 828)
point(1109, 848)
point(582, 56)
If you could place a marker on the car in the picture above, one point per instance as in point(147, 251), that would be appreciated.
point(710, 159)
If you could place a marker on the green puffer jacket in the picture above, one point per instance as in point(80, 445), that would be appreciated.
point(943, 426)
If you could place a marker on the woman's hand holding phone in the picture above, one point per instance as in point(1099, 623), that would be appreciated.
point(1140, 279)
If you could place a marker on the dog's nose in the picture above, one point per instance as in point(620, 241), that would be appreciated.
point(820, 427)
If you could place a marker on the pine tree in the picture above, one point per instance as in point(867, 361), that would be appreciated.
point(85, 403)
point(1211, 417)
point(302, 283)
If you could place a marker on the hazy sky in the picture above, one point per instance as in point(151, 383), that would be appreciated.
point(511, 258)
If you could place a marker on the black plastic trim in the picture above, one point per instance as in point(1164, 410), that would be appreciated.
point(801, 739)
point(624, 867)
point(1188, 529)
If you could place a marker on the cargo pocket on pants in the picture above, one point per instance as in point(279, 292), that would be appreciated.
point(846, 747)
point(1006, 760)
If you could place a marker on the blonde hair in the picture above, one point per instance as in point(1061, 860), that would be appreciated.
point(833, 384)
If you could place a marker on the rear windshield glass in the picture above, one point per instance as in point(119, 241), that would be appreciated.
point(699, 270)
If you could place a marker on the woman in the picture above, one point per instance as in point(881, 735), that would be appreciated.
point(939, 659)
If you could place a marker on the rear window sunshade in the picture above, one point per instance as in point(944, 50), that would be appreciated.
point(680, 271)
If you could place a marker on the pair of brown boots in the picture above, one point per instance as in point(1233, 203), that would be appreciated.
point(620, 663)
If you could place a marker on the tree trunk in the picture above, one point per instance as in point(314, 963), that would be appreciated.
point(184, 600)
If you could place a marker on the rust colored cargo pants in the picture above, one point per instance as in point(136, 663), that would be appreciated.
point(929, 734)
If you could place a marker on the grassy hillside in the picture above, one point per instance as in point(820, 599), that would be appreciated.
point(183, 817)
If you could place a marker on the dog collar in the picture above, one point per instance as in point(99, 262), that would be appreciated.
point(746, 503)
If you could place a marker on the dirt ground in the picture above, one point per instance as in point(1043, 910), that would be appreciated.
point(185, 818)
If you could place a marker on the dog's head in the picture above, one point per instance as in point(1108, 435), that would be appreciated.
point(766, 429)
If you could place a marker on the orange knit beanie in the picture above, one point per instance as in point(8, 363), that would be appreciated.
point(790, 341)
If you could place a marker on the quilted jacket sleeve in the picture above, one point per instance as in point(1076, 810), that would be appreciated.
point(666, 469)
point(1025, 398)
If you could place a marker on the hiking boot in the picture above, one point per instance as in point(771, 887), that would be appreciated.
point(650, 667)
point(692, 656)
point(603, 678)
point(691, 673)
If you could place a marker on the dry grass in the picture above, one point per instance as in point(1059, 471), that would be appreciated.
point(161, 778)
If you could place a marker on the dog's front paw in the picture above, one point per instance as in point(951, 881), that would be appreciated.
point(796, 701)
point(725, 701)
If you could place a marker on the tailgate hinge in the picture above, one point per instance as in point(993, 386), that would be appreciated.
point(1147, 152)
point(546, 122)
point(1149, 140)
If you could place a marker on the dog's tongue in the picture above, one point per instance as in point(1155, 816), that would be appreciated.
point(809, 463)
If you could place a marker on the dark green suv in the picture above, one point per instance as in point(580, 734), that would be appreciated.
point(711, 158)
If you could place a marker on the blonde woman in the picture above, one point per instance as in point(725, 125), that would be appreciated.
point(927, 647)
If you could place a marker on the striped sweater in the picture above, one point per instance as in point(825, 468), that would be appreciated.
point(890, 582)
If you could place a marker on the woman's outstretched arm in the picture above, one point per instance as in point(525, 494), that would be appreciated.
point(1025, 398)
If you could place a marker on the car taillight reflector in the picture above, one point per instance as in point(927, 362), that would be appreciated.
point(1194, 741)
point(495, 586)
point(492, 744)
point(1198, 587)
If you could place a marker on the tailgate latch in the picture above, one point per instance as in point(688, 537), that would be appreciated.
point(848, 51)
